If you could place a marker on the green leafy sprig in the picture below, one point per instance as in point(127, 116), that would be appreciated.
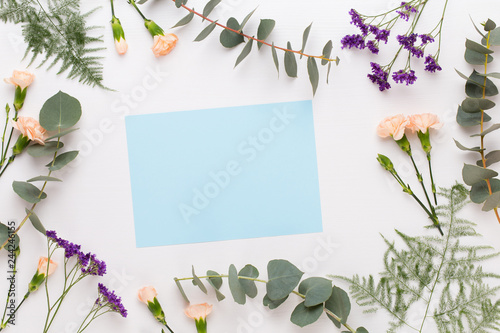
point(440, 274)
point(59, 32)
point(59, 114)
point(318, 295)
point(485, 187)
point(232, 35)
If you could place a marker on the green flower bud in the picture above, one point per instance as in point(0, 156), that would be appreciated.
point(404, 144)
point(425, 141)
point(118, 32)
point(21, 144)
point(154, 29)
point(385, 162)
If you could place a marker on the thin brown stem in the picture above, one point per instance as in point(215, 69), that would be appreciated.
point(253, 38)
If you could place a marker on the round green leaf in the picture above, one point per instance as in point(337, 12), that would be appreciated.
point(248, 285)
point(476, 58)
point(467, 119)
point(476, 104)
point(492, 202)
point(316, 289)
point(28, 192)
point(471, 45)
point(273, 304)
point(480, 192)
point(59, 112)
point(303, 315)
point(197, 281)
point(216, 282)
point(229, 38)
point(5, 233)
point(472, 89)
point(340, 305)
point(283, 278)
point(361, 330)
point(48, 149)
point(491, 158)
point(489, 25)
point(35, 221)
point(62, 160)
point(473, 174)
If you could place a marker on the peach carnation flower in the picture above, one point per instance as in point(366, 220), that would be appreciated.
point(147, 294)
point(42, 266)
point(393, 126)
point(121, 46)
point(424, 121)
point(162, 45)
point(31, 128)
point(198, 311)
point(20, 79)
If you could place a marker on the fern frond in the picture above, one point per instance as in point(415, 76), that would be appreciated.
point(58, 32)
point(440, 273)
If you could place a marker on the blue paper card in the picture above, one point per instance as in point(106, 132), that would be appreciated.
point(226, 173)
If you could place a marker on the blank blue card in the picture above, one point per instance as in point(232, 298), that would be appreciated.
point(226, 173)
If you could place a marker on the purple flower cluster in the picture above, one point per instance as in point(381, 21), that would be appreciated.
point(402, 76)
point(431, 65)
point(379, 76)
point(408, 43)
point(109, 298)
point(90, 265)
point(408, 9)
point(426, 39)
point(358, 41)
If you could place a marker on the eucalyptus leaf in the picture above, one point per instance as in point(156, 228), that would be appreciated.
point(328, 72)
point(283, 278)
point(245, 52)
point(5, 234)
point(492, 202)
point(275, 59)
point(245, 20)
point(181, 290)
point(61, 134)
point(303, 315)
point(230, 39)
point(235, 286)
point(312, 70)
point(209, 7)
point(470, 119)
point(462, 147)
point(480, 191)
point(473, 174)
point(290, 62)
point(59, 112)
point(198, 282)
point(491, 158)
point(43, 179)
point(471, 45)
point(361, 330)
point(305, 37)
point(48, 149)
point(62, 160)
point(495, 75)
point(316, 289)
point(495, 37)
point(479, 82)
point(472, 105)
point(475, 91)
point(249, 286)
point(490, 129)
point(205, 32)
point(35, 221)
point(28, 192)
point(273, 304)
point(489, 25)
point(179, 3)
point(266, 26)
point(185, 20)
point(340, 305)
point(476, 58)
point(216, 283)
point(327, 52)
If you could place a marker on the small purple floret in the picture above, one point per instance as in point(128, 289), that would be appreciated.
point(404, 77)
point(109, 298)
point(431, 65)
point(379, 77)
point(372, 47)
point(356, 41)
point(426, 39)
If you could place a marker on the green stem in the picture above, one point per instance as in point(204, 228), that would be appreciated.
point(8, 295)
point(432, 178)
point(432, 216)
point(112, 8)
point(421, 181)
point(132, 2)
point(17, 308)
point(9, 161)
point(92, 312)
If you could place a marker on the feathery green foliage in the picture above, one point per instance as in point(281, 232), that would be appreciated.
point(57, 31)
point(437, 277)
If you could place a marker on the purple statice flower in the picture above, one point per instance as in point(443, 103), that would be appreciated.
point(426, 39)
point(109, 299)
point(408, 43)
point(70, 249)
point(372, 47)
point(94, 266)
point(402, 76)
point(406, 10)
point(382, 34)
point(431, 65)
point(379, 76)
point(356, 41)
point(358, 22)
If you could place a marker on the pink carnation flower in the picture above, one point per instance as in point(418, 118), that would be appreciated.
point(393, 126)
point(424, 121)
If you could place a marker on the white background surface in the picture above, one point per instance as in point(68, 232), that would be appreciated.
point(93, 206)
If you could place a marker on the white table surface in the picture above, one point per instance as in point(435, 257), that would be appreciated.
point(359, 199)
